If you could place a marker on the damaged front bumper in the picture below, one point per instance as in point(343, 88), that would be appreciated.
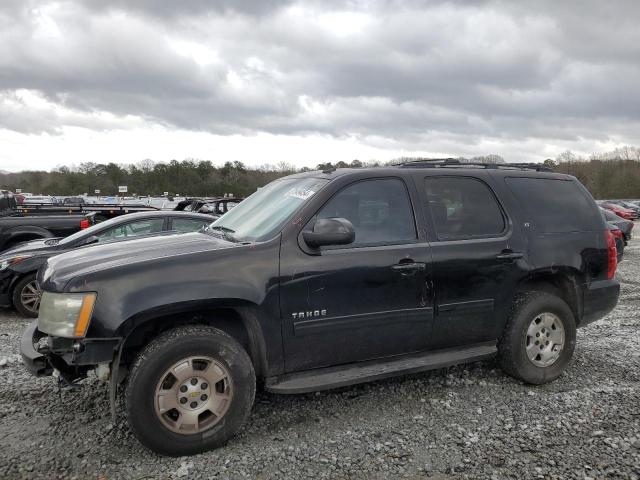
point(72, 358)
point(35, 361)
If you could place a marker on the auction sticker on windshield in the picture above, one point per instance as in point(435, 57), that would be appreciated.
point(301, 193)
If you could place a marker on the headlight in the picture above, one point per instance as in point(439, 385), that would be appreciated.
point(10, 261)
point(65, 314)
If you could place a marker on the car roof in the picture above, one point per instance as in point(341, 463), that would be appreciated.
point(164, 213)
point(506, 170)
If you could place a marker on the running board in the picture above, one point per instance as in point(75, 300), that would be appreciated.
point(351, 374)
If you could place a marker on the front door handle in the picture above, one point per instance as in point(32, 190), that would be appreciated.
point(407, 269)
point(509, 255)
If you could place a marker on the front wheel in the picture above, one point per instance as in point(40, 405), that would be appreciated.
point(26, 296)
point(189, 390)
point(539, 339)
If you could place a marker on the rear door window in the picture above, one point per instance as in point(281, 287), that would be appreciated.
point(187, 225)
point(463, 208)
point(555, 205)
point(132, 229)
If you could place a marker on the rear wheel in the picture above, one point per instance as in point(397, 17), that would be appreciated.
point(189, 390)
point(539, 339)
point(27, 295)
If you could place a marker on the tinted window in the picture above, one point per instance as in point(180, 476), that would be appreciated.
point(462, 208)
point(379, 210)
point(188, 224)
point(555, 206)
point(132, 229)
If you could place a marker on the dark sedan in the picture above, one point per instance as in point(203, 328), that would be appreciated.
point(19, 265)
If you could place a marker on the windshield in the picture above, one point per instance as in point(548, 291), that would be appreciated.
point(263, 213)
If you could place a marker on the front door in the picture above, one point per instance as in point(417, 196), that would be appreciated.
point(366, 300)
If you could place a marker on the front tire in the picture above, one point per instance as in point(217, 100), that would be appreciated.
point(539, 339)
point(189, 390)
point(26, 296)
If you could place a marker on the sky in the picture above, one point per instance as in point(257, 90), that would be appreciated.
point(270, 81)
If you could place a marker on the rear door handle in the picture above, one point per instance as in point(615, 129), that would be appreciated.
point(409, 268)
point(509, 255)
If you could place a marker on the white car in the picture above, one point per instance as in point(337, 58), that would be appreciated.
point(40, 199)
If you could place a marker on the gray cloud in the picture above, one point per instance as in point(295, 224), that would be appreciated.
point(389, 69)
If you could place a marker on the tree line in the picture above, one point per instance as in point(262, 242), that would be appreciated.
point(614, 174)
point(608, 175)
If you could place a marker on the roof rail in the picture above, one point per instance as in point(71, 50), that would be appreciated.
point(455, 163)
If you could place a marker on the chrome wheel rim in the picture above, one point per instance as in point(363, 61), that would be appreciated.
point(545, 339)
point(30, 296)
point(193, 395)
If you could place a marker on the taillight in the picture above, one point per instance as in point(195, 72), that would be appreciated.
point(612, 255)
point(84, 223)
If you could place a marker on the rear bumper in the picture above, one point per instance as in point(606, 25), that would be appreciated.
point(35, 362)
point(599, 299)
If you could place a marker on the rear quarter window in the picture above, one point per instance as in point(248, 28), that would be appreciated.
point(555, 205)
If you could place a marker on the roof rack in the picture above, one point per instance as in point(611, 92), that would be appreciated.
point(455, 163)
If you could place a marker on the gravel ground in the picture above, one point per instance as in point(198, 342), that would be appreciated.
point(463, 422)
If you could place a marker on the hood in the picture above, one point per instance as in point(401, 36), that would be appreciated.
point(32, 247)
point(82, 261)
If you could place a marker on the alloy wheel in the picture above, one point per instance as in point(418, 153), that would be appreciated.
point(30, 296)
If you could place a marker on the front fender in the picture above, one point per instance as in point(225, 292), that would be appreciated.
point(232, 276)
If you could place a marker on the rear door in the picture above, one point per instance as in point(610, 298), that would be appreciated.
point(361, 301)
point(477, 258)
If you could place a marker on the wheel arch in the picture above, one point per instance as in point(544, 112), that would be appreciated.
point(28, 232)
point(17, 277)
point(240, 320)
point(564, 283)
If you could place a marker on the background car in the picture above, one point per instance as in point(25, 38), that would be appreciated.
point(625, 226)
point(40, 199)
point(73, 201)
point(618, 237)
point(619, 210)
point(19, 265)
point(212, 206)
point(626, 204)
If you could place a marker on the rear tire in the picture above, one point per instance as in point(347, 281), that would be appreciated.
point(539, 339)
point(26, 296)
point(179, 380)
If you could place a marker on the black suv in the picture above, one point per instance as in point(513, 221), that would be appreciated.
point(326, 279)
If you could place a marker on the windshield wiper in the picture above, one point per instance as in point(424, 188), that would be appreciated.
point(225, 231)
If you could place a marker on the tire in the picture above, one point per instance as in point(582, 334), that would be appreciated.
point(527, 352)
point(187, 349)
point(24, 290)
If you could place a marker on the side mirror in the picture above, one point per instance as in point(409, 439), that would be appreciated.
point(330, 231)
point(92, 239)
